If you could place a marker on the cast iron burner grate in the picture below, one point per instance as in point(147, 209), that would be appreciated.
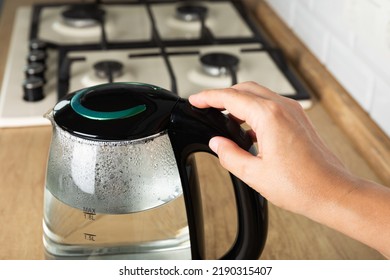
point(87, 14)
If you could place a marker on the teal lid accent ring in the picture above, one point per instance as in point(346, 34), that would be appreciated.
point(76, 105)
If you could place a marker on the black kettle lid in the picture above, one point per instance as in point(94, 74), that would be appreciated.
point(116, 111)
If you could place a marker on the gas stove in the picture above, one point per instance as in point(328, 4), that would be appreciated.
point(181, 46)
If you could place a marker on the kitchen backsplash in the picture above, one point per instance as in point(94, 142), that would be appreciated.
point(352, 40)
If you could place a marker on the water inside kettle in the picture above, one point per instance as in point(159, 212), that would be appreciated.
point(72, 233)
point(113, 177)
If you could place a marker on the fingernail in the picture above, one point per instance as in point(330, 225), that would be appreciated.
point(191, 98)
point(213, 144)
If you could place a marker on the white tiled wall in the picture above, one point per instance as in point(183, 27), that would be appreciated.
point(352, 39)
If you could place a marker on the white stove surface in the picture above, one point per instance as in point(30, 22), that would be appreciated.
point(222, 19)
point(254, 66)
point(122, 23)
point(151, 70)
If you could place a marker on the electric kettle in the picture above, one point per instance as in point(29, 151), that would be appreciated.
point(119, 184)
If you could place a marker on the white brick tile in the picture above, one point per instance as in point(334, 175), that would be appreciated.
point(307, 3)
point(353, 74)
point(378, 60)
point(373, 43)
point(310, 31)
point(363, 16)
point(334, 14)
point(352, 39)
point(284, 9)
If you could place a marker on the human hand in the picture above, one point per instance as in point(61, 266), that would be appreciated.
point(293, 169)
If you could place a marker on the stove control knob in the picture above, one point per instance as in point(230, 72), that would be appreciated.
point(37, 56)
point(36, 44)
point(33, 89)
point(35, 69)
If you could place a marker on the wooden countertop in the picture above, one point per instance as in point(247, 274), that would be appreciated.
point(23, 155)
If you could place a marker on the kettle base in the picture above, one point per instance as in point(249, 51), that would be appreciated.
point(119, 253)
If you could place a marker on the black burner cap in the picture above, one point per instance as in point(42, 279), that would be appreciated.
point(191, 12)
point(82, 15)
point(104, 68)
point(219, 63)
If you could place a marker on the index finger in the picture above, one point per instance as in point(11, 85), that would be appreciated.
point(256, 89)
point(240, 104)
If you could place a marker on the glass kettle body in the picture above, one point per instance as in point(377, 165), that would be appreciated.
point(107, 199)
point(118, 180)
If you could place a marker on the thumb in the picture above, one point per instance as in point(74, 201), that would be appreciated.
point(237, 161)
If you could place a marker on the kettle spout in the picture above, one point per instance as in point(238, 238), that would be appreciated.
point(49, 115)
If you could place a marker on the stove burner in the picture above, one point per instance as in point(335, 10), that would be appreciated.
point(218, 64)
point(108, 69)
point(82, 15)
point(191, 12)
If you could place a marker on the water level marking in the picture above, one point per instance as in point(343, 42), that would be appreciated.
point(89, 236)
point(89, 213)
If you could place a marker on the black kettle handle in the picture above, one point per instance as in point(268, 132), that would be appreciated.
point(190, 131)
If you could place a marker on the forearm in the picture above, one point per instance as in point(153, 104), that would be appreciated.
point(361, 210)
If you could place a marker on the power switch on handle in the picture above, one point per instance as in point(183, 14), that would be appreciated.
point(222, 125)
